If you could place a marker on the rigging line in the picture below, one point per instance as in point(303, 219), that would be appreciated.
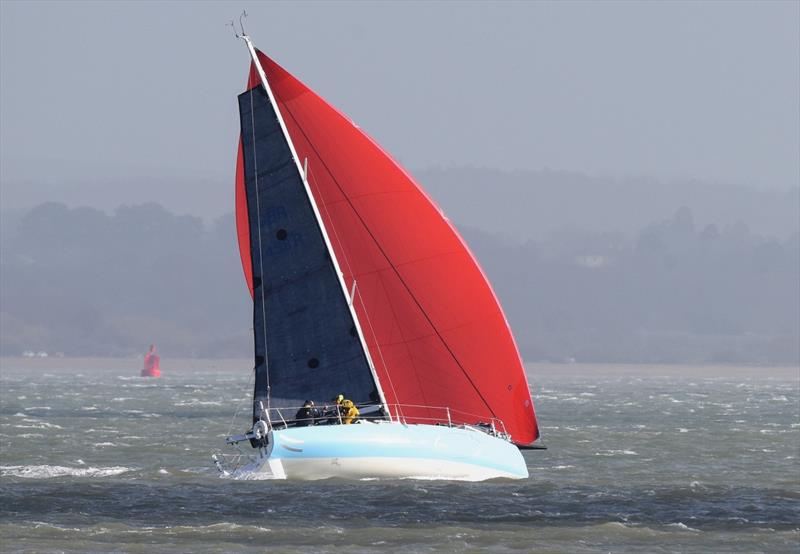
point(260, 250)
point(353, 275)
point(380, 248)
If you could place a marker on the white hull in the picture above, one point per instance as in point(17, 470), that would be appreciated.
point(385, 451)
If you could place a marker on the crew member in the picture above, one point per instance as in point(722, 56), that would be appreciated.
point(306, 415)
point(348, 410)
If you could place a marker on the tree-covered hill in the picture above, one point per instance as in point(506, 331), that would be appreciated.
point(83, 282)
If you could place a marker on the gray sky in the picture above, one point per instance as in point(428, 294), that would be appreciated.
point(113, 93)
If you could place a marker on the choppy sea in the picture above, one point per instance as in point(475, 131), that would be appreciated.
point(96, 459)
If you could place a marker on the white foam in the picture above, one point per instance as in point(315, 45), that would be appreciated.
point(140, 413)
point(225, 526)
point(38, 524)
point(683, 526)
point(38, 408)
point(251, 476)
point(616, 453)
point(40, 425)
point(48, 471)
point(195, 402)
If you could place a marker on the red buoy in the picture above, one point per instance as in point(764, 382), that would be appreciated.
point(151, 363)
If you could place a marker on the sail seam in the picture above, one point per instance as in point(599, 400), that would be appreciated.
point(380, 248)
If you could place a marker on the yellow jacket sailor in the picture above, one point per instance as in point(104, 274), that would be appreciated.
point(347, 410)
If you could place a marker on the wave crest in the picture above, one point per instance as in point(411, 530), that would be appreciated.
point(48, 471)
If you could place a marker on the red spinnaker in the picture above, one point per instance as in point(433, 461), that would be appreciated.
point(433, 325)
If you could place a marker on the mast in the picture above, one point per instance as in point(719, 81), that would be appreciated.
point(303, 172)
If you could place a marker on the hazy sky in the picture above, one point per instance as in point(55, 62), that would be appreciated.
point(117, 91)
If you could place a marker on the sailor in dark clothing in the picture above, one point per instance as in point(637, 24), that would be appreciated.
point(306, 415)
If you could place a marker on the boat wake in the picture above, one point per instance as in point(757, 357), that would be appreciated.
point(250, 476)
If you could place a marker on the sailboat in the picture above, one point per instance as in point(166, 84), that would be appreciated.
point(362, 287)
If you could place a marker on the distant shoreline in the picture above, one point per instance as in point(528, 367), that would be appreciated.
point(243, 366)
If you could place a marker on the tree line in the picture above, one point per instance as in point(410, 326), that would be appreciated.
point(82, 282)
